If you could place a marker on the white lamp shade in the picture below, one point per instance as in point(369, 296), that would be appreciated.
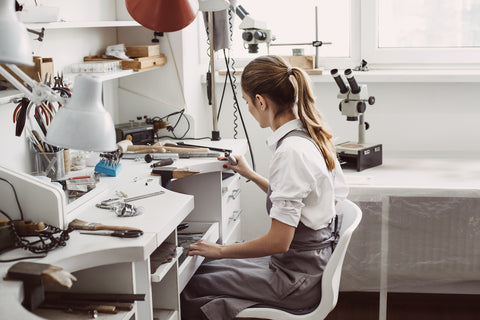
point(15, 45)
point(83, 123)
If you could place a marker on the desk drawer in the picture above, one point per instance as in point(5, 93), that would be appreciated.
point(230, 205)
point(209, 232)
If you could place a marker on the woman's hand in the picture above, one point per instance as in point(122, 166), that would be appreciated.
point(206, 249)
point(241, 167)
point(244, 170)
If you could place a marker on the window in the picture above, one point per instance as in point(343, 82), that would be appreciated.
point(421, 31)
point(388, 33)
point(293, 22)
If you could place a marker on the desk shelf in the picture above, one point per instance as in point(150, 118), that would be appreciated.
point(162, 270)
point(164, 314)
point(82, 24)
point(53, 314)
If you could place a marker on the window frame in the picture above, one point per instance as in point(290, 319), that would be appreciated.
point(412, 57)
point(325, 62)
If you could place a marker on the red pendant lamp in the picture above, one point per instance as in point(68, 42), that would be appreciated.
point(161, 15)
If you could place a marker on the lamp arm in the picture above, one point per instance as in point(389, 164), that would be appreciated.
point(39, 92)
point(7, 75)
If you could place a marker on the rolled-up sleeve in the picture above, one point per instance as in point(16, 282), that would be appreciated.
point(290, 182)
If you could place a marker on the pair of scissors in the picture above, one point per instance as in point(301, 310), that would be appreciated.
point(116, 233)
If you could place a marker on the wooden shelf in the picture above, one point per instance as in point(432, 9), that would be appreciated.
point(82, 24)
point(7, 95)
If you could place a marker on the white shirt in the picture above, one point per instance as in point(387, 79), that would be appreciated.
point(303, 189)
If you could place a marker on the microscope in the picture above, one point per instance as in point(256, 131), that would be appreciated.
point(254, 31)
point(359, 155)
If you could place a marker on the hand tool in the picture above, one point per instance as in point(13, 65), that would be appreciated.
point(187, 155)
point(22, 116)
point(231, 159)
point(83, 225)
point(161, 163)
point(143, 196)
point(117, 233)
point(211, 148)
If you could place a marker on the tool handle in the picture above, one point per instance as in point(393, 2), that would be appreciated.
point(231, 159)
point(99, 226)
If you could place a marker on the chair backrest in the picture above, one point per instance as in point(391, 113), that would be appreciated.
point(332, 273)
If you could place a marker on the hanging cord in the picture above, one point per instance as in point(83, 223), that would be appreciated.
point(234, 90)
point(233, 85)
point(16, 199)
point(230, 33)
point(47, 239)
point(172, 128)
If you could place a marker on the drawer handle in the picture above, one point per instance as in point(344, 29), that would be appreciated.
point(235, 194)
point(236, 214)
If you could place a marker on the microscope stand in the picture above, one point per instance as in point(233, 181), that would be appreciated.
point(357, 156)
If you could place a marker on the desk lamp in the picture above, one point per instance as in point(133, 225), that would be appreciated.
point(83, 123)
point(174, 15)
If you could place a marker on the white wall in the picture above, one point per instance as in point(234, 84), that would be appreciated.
point(409, 119)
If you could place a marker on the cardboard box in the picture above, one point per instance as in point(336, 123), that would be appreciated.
point(142, 51)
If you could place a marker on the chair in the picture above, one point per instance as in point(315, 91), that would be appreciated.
point(331, 276)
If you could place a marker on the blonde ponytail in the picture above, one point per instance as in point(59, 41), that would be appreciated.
point(289, 86)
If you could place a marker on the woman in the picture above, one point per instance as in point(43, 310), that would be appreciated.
point(281, 267)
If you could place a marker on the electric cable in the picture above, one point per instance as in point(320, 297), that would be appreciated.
point(16, 199)
point(234, 90)
point(241, 118)
point(45, 235)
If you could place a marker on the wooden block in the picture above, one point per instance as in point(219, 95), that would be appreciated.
point(142, 51)
point(304, 62)
point(42, 66)
point(139, 64)
point(98, 58)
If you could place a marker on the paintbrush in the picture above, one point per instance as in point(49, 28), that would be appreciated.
point(84, 225)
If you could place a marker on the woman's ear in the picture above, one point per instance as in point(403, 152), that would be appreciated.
point(260, 102)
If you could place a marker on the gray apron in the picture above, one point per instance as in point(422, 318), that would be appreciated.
point(222, 288)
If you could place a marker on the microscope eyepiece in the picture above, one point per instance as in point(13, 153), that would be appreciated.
point(247, 36)
point(260, 35)
point(351, 80)
point(338, 79)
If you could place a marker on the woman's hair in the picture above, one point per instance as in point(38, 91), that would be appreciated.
point(288, 86)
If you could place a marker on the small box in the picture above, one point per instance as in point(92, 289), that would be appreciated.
point(142, 51)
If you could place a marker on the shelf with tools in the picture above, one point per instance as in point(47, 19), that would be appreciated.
point(82, 24)
point(6, 96)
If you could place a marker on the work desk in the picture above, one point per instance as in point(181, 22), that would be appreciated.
point(420, 228)
point(119, 265)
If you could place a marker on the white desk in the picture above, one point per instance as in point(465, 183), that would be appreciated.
point(420, 230)
point(115, 265)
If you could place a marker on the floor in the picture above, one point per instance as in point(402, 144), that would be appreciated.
point(405, 306)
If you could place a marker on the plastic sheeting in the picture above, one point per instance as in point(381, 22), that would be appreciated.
point(415, 241)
